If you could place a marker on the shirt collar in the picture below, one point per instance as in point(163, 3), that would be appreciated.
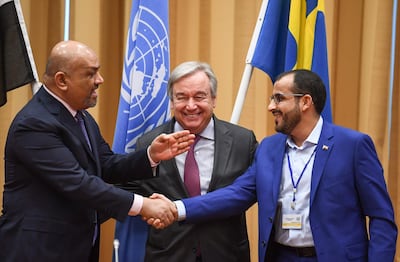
point(207, 133)
point(312, 138)
point(68, 107)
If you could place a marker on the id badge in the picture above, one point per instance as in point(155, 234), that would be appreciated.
point(291, 221)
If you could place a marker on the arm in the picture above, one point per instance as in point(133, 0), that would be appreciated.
point(224, 202)
point(43, 149)
point(375, 202)
point(221, 203)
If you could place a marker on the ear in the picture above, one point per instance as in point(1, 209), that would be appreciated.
point(306, 102)
point(214, 102)
point(60, 80)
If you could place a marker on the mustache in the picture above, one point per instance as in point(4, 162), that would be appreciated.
point(276, 111)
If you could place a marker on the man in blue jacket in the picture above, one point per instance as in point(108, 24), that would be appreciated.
point(315, 183)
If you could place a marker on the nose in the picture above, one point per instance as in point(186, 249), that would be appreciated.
point(99, 78)
point(271, 105)
point(191, 103)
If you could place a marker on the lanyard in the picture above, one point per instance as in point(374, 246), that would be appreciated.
point(293, 204)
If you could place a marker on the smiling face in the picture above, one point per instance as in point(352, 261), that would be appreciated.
point(287, 112)
point(192, 103)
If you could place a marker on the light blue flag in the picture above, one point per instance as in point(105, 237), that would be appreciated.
point(144, 103)
point(293, 36)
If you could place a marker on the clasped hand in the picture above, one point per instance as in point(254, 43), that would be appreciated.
point(158, 211)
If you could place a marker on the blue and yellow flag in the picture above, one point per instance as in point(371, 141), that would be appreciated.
point(293, 36)
point(144, 103)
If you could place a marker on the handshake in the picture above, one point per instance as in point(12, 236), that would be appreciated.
point(158, 211)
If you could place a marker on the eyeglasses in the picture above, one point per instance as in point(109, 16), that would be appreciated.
point(279, 97)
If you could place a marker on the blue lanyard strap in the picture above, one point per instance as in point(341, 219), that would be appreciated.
point(301, 175)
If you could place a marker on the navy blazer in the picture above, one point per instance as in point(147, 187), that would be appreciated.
point(54, 184)
point(223, 240)
point(347, 186)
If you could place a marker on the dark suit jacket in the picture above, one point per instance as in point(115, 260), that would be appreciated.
point(220, 240)
point(54, 184)
point(347, 186)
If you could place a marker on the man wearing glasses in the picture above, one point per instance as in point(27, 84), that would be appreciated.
point(316, 183)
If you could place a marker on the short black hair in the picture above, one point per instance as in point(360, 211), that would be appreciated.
point(308, 82)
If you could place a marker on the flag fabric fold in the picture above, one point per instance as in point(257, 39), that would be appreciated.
point(17, 66)
point(144, 103)
point(293, 36)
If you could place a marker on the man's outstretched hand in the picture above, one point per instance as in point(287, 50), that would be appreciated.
point(167, 146)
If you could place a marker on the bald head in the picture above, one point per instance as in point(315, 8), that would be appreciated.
point(65, 54)
point(72, 73)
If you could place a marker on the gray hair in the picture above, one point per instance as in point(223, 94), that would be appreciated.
point(191, 67)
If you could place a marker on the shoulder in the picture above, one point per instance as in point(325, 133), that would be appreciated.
point(343, 132)
point(234, 128)
point(33, 116)
point(273, 140)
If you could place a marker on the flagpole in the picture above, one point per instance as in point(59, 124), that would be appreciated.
point(248, 69)
point(392, 69)
point(66, 19)
point(35, 84)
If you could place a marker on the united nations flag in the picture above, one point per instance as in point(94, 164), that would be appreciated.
point(144, 103)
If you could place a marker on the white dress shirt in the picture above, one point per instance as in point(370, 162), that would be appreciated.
point(301, 160)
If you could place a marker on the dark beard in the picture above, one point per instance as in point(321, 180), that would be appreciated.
point(289, 121)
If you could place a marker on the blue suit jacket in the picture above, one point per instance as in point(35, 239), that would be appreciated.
point(54, 184)
point(347, 186)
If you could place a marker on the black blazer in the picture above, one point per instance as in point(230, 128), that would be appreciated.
point(54, 184)
point(220, 240)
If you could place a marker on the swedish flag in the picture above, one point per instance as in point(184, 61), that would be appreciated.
point(293, 36)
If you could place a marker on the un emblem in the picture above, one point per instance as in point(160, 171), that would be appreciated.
point(145, 76)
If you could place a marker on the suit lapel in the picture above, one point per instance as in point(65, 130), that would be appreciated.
point(324, 148)
point(278, 154)
point(222, 148)
point(64, 117)
point(170, 165)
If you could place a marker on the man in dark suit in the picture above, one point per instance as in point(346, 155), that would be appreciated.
point(57, 189)
point(316, 184)
point(223, 152)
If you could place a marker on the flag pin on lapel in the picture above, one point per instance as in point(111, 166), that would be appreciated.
point(325, 147)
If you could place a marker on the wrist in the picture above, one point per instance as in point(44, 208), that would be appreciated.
point(137, 205)
point(153, 162)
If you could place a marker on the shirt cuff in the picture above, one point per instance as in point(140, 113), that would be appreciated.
point(136, 205)
point(152, 162)
point(181, 210)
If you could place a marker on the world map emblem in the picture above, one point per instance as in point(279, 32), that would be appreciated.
point(145, 75)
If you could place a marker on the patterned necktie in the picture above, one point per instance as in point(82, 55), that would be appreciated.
point(191, 172)
point(81, 122)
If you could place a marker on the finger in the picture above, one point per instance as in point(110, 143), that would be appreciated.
point(180, 134)
point(150, 221)
point(169, 217)
point(156, 196)
point(161, 196)
point(158, 224)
